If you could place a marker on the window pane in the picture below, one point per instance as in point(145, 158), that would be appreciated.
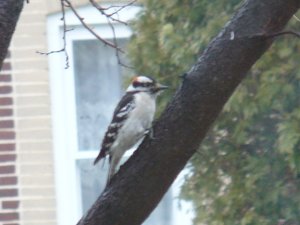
point(162, 215)
point(98, 89)
point(92, 181)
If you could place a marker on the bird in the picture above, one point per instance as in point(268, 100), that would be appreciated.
point(132, 120)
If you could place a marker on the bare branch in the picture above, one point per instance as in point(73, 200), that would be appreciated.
point(110, 16)
point(284, 33)
point(67, 3)
point(233, 36)
point(51, 52)
point(65, 30)
point(122, 7)
point(64, 34)
point(102, 11)
point(116, 44)
point(109, 20)
point(119, 6)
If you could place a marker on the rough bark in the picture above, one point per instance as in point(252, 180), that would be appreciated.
point(142, 181)
point(9, 14)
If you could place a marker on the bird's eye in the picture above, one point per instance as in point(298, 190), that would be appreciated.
point(141, 84)
point(135, 84)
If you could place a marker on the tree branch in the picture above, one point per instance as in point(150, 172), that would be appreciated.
point(103, 10)
point(86, 26)
point(65, 30)
point(9, 15)
point(287, 32)
point(111, 19)
point(140, 184)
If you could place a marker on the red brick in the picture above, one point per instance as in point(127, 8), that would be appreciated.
point(8, 181)
point(6, 112)
point(5, 78)
point(6, 66)
point(7, 147)
point(6, 101)
point(5, 89)
point(7, 169)
point(6, 124)
point(8, 192)
point(7, 135)
point(10, 204)
point(9, 216)
point(7, 158)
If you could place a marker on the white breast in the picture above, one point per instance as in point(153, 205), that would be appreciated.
point(144, 110)
point(139, 120)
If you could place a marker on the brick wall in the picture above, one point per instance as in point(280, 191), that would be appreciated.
point(9, 193)
point(32, 114)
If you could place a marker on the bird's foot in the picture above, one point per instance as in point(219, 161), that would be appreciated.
point(150, 133)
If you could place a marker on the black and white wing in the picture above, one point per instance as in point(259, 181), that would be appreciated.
point(125, 106)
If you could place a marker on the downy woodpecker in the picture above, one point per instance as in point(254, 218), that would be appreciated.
point(131, 120)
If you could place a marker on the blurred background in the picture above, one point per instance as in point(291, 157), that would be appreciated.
point(246, 171)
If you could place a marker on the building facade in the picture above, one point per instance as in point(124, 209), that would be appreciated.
point(52, 118)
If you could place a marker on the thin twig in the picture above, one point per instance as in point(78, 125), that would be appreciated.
point(65, 30)
point(110, 19)
point(64, 34)
point(264, 36)
point(102, 10)
point(68, 4)
point(119, 6)
point(122, 7)
point(51, 52)
point(116, 43)
point(284, 33)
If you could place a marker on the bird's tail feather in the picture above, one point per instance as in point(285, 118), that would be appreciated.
point(99, 157)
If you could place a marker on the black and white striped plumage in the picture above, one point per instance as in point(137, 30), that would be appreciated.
point(132, 118)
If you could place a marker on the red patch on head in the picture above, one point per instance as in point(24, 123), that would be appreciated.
point(135, 81)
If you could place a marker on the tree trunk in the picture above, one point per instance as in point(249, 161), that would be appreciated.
point(140, 184)
point(9, 14)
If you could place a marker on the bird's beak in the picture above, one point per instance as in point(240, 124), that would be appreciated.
point(160, 87)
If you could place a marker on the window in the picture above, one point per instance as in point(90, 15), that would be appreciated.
point(83, 99)
point(98, 80)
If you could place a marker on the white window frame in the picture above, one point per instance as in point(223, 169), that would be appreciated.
point(64, 122)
